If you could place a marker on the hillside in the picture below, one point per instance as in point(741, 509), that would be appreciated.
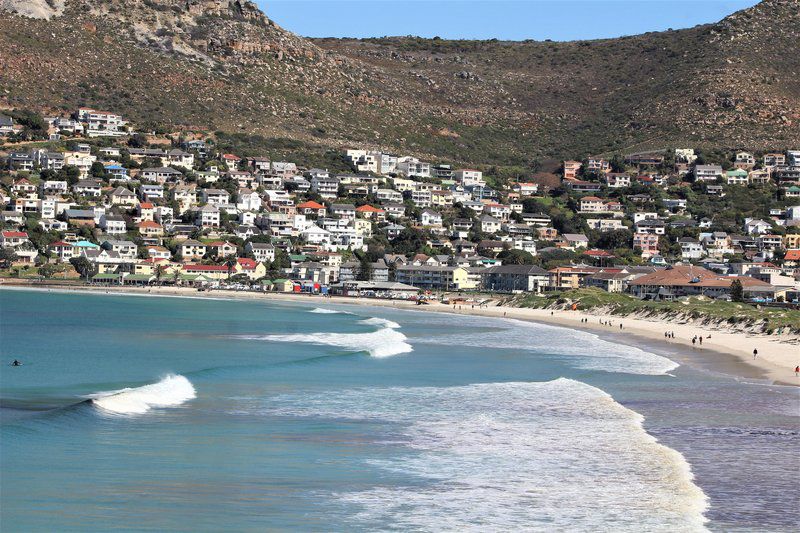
point(224, 65)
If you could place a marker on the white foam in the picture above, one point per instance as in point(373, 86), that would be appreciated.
point(323, 311)
point(384, 342)
point(582, 349)
point(383, 322)
point(554, 456)
point(171, 391)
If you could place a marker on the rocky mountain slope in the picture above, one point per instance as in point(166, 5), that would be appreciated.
point(224, 65)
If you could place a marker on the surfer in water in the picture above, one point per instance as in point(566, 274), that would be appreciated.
point(16, 363)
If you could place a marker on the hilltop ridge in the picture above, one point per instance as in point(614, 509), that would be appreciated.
point(224, 65)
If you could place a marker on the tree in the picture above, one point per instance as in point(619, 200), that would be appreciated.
point(617, 163)
point(83, 266)
point(48, 270)
point(70, 173)
point(7, 256)
point(515, 257)
point(364, 269)
point(98, 170)
point(618, 238)
point(230, 263)
point(34, 126)
point(137, 140)
point(737, 291)
point(281, 260)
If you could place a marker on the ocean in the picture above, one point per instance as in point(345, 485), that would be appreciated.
point(185, 414)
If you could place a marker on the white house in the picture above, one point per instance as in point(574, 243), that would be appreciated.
point(159, 174)
point(411, 166)
point(754, 226)
point(691, 248)
point(216, 197)
point(262, 252)
point(707, 172)
point(248, 200)
point(489, 224)
point(208, 216)
point(113, 225)
point(88, 188)
point(469, 177)
point(429, 217)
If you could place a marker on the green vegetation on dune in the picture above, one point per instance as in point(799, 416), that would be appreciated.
point(770, 319)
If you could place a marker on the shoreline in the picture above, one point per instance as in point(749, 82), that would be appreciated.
point(725, 352)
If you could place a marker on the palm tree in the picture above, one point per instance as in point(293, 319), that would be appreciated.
point(230, 263)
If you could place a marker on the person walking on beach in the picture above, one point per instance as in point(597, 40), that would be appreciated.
point(701, 340)
point(694, 340)
point(797, 371)
point(620, 326)
point(755, 353)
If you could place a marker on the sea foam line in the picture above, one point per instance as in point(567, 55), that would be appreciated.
point(552, 456)
point(171, 391)
point(581, 349)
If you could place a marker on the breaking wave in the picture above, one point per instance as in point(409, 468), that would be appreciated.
point(375, 321)
point(323, 311)
point(385, 342)
point(580, 348)
point(553, 456)
point(171, 391)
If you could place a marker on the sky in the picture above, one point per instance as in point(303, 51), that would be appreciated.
point(559, 20)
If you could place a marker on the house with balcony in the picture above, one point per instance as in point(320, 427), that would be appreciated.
point(208, 216)
point(707, 172)
point(647, 242)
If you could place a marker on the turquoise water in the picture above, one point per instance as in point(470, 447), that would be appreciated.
point(155, 413)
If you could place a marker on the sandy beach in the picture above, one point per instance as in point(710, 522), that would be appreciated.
point(721, 351)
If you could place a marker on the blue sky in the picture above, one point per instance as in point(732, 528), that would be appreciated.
point(560, 20)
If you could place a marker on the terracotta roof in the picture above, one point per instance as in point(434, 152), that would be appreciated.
point(15, 234)
point(247, 263)
point(310, 205)
point(146, 205)
point(149, 224)
point(369, 209)
point(792, 255)
point(598, 253)
point(685, 276)
point(206, 268)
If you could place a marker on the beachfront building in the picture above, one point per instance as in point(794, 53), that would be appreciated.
point(515, 278)
point(689, 280)
point(434, 277)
